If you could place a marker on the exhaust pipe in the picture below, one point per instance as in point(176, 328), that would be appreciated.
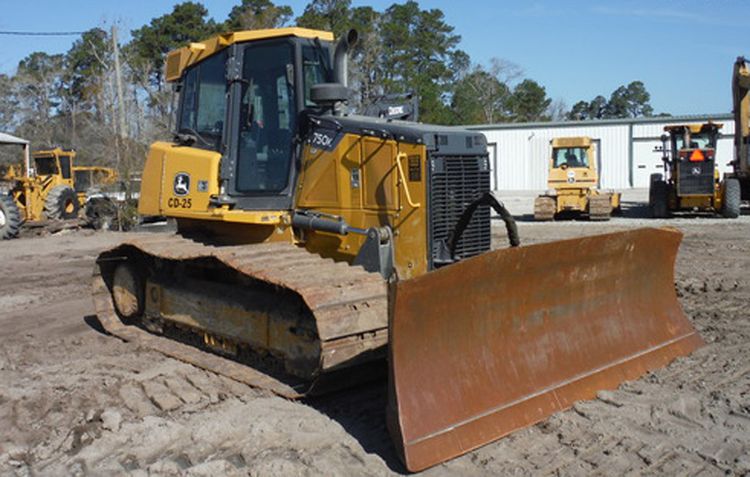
point(341, 56)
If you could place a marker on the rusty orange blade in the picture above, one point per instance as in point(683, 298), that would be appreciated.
point(498, 342)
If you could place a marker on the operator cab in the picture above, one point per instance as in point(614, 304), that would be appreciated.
point(244, 102)
point(54, 162)
point(564, 157)
point(693, 142)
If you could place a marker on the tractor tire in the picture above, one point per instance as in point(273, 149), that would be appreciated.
point(659, 199)
point(732, 199)
point(10, 218)
point(61, 203)
point(101, 214)
point(654, 178)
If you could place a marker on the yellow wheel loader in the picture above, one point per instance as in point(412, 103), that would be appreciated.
point(45, 190)
point(691, 180)
point(314, 245)
point(51, 187)
point(572, 184)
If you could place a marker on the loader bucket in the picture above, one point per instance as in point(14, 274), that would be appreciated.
point(501, 341)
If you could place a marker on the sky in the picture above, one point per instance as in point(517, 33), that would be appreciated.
point(682, 50)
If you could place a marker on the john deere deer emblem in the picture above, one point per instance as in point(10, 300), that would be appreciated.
point(181, 183)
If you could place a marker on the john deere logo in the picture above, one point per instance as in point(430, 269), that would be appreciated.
point(181, 183)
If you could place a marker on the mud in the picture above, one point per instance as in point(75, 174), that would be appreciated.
point(74, 401)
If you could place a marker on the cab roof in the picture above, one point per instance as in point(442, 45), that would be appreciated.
point(571, 142)
point(57, 151)
point(178, 60)
point(694, 128)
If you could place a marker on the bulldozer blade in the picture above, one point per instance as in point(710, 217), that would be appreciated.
point(498, 342)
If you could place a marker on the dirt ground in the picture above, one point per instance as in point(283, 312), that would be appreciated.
point(74, 401)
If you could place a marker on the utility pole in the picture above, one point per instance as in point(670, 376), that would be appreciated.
point(121, 144)
point(118, 81)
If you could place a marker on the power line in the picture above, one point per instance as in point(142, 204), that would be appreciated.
point(42, 33)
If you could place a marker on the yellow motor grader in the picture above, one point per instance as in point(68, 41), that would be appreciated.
point(691, 180)
point(572, 183)
point(314, 245)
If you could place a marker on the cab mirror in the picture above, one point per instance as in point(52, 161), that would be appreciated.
point(328, 93)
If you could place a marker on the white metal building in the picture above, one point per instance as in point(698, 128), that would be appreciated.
point(626, 158)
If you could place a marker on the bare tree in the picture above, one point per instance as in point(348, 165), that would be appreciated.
point(482, 93)
point(558, 110)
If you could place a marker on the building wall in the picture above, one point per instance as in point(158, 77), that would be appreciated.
point(519, 152)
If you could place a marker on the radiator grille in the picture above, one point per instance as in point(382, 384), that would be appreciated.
point(695, 178)
point(455, 181)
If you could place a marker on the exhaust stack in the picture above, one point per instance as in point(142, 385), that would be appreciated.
point(341, 56)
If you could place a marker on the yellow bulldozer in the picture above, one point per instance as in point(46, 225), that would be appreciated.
point(573, 183)
point(50, 187)
point(314, 246)
point(691, 180)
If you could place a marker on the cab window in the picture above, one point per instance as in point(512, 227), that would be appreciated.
point(45, 166)
point(82, 180)
point(570, 157)
point(702, 140)
point(204, 101)
point(65, 166)
point(316, 68)
point(267, 118)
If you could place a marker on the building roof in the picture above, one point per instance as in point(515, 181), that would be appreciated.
point(605, 122)
point(8, 139)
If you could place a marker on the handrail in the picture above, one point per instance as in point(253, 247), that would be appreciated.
point(403, 181)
